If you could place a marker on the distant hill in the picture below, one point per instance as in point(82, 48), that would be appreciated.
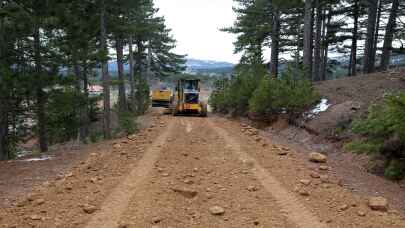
point(193, 66)
point(209, 66)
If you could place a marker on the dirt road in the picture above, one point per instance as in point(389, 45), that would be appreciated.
point(194, 172)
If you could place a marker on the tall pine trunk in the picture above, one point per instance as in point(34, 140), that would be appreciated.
point(4, 150)
point(377, 30)
point(308, 37)
point(318, 36)
point(40, 94)
point(84, 117)
point(105, 75)
point(353, 50)
point(275, 43)
point(325, 43)
point(122, 101)
point(3, 112)
point(369, 61)
point(389, 35)
point(131, 71)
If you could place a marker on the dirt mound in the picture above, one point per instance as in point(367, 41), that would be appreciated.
point(350, 98)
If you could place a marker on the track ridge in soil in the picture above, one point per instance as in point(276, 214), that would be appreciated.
point(117, 202)
point(297, 213)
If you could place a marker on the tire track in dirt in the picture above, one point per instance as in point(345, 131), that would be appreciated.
point(117, 202)
point(297, 213)
point(197, 161)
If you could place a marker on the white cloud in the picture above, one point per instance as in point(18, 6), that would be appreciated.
point(196, 24)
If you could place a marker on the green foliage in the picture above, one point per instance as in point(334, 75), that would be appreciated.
point(234, 96)
point(63, 112)
point(255, 91)
point(395, 170)
point(141, 102)
point(127, 123)
point(290, 93)
point(383, 133)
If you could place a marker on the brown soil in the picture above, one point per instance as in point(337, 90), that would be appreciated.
point(351, 97)
point(171, 174)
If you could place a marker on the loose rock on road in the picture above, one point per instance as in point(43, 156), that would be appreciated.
point(199, 172)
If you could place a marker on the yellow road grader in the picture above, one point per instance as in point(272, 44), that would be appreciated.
point(187, 98)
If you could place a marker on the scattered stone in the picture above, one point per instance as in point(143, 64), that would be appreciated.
point(258, 139)
point(303, 192)
point(39, 202)
point(252, 188)
point(217, 210)
point(324, 178)
point(22, 203)
point(131, 137)
point(165, 174)
point(35, 217)
point(305, 182)
point(188, 193)
point(249, 163)
point(282, 152)
point(188, 181)
point(256, 223)
point(123, 226)
point(378, 203)
point(343, 207)
point(361, 213)
point(69, 174)
point(315, 175)
point(89, 209)
point(156, 220)
point(317, 157)
point(323, 168)
point(393, 212)
point(117, 146)
point(69, 187)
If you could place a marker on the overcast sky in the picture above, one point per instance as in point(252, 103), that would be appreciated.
point(195, 25)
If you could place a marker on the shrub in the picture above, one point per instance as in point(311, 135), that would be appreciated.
point(141, 102)
point(253, 90)
point(127, 123)
point(233, 95)
point(291, 93)
point(383, 134)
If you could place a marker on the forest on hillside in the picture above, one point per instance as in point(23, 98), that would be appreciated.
point(50, 50)
point(305, 39)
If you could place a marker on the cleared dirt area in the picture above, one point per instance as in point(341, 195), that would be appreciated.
point(351, 97)
point(195, 172)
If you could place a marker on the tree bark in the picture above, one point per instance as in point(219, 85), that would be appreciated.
point(40, 94)
point(389, 36)
point(325, 46)
point(308, 37)
point(81, 109)
point(353, 50)
point(84, 128)
point(122, 101)
point(4, 152)
point(317, 49)
point(275, 43)
point(105, 75)
point(131, 69)
point(368, 63)
point(377, 30)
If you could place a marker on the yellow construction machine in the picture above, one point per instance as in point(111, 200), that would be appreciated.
point(187, 98)
point(161, 97)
